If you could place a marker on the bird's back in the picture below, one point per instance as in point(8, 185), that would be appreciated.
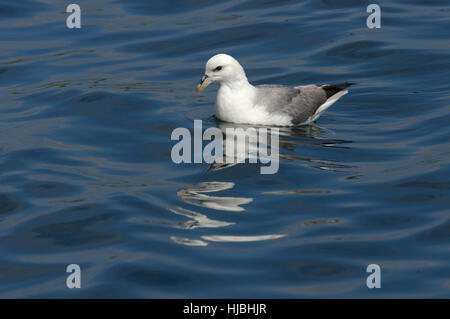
point(299, 103)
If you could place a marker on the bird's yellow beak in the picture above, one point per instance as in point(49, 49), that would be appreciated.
point(204, 82)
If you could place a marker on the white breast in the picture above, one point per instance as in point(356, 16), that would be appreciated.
point(237, 106)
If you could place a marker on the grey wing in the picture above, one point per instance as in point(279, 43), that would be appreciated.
point(299, 102)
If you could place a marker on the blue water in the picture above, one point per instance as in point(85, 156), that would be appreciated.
point(86, 175)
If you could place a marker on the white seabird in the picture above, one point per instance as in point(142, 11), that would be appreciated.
point(240, 102)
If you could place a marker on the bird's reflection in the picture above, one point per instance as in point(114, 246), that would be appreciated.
point(288, 139)
point(195, 195)
point(246, 143)
point(197, 219)
point(252, 146)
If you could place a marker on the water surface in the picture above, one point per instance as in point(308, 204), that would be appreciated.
point(86, 175)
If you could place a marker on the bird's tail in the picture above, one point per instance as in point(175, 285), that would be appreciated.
point(332, 89)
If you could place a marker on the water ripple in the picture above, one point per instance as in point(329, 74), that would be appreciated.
point(86, 174)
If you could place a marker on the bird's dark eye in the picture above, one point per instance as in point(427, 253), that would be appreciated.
point(217, 69)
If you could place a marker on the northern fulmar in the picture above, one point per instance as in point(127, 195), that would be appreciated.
point(238, 101)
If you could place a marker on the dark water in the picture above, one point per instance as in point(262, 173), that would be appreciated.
point(86, 175)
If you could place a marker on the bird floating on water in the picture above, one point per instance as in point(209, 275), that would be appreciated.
point(238, 101)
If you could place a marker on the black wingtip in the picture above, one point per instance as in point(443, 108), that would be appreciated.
point(350, 83)
point(332, 89)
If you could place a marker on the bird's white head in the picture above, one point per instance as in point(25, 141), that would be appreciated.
point(222, 68)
